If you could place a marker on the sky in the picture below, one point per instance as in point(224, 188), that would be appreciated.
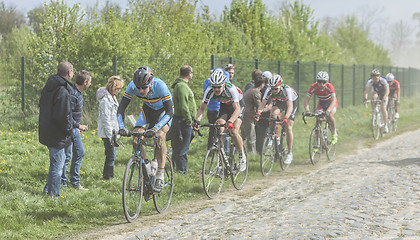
point(395, 9)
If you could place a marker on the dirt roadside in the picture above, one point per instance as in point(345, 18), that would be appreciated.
point(180, 211)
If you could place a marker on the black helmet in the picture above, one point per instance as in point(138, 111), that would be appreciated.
point(142, 76)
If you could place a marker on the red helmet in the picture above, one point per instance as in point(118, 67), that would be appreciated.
point(229, 66)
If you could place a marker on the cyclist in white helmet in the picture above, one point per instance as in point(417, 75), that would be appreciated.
point(231, 109)
point(379, 89)
point(327, 100)
point(394, 91)
point(283, 97)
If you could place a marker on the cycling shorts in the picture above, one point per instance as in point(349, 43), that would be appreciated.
point(283, 107)
point(226, 110)
point(149, 117)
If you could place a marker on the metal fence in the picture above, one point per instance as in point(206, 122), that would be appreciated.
point(348, 81)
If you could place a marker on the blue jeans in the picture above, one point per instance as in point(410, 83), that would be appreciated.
point(76, 162)
point(110, 155)
point(57, 157)
point(181, 145)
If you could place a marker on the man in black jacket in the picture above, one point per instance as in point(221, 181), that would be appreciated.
point(55, 123)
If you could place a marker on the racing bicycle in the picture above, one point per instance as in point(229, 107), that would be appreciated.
point(376, 121)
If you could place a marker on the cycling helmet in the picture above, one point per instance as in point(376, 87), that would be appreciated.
point(143, 76)
point(323, 76)
point(275, 80)
point(390, 77)
point(375, 72)
point(267, 75)
point(229, 66)
point(217, 78)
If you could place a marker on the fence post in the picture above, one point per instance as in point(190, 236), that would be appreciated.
point(230, 59)
point(329, 70)
point(354, 84)
point(314, 99)
point(342, 85)
point(23, 82)
point(212, 61)
point(278, 67)
point(298, 80)
point(256, 63)
point(114, 65)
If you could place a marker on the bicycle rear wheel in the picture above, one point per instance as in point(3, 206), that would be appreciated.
point(282, 152)
point(238, 177)
point(132, 190)
point(267, 155)
point(163, 199)
point(213, 173)
point(315, 146)
point(330, 148)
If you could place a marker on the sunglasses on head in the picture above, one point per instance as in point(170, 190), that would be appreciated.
point(321, 81)
point(217, 86)
point(143, 87)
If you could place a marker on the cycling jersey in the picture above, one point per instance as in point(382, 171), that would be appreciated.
point(286, 93)
point(229, 95)
point(324, 95)
point(158, 99)
point(379, 86)
point(394, 88)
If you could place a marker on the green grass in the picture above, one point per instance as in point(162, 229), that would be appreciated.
point(26, 213)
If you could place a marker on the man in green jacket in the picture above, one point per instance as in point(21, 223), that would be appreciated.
point(184, 113)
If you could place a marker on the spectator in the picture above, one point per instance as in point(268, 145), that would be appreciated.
point(252, 99)
point(230, 68)
point(262, 126)
point(184, 113)
point(83, 81)
point(107, 121)
point(254, 76)
point(55, 123)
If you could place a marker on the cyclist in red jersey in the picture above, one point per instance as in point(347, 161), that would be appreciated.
point(394, 91)
point(327, 100)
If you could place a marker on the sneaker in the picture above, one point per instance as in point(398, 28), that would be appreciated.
point(158, 186)
point(242, 162)
point(289, 159)
point(334, 139)
point(386, 129)
point(80, 187)
point(397, 115)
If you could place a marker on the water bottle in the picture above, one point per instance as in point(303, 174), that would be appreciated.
point(270, 143)
point(153, 167)
point(148, 167)
point(278, 140)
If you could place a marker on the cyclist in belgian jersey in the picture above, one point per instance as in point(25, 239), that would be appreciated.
point(379, 89)
point(155, 116)
point(394, 91)
point(327, 100)
point(283, 97)
point(231, 109)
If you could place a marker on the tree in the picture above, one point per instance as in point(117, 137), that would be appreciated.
point(9, 19)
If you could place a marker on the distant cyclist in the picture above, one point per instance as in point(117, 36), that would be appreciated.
point(283, 97)
point(379, 89)
point(155, 116)
point(394, 91)
point(327, 100)
point(231, 109)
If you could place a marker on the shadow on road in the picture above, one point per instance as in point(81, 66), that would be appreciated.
point(402, 162)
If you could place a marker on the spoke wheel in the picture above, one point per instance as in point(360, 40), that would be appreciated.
point(132, 190)
point(315, 146)
point(163, 199)
point(283, 153)
point(330, 148)
point(376, 126)
point(238, 177)
point(267, 155)
point(213, 173)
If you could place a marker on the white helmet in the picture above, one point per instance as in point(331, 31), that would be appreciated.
point(217, 78)
point(323, 76)
point(275, 80)
point(267, 75)
point(390, 77)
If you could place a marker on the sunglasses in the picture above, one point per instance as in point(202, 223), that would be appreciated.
point(321, 81)
point(275, 88)
point(143, 87)
point(217, 86)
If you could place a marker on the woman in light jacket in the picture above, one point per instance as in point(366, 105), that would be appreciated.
point(107, 121)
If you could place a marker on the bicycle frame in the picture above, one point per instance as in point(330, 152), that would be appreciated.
point(392, 121)
point(376, 123)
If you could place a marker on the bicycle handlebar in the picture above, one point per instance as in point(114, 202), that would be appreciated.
point(315, 114)
point(214, 125)
point(116, 137)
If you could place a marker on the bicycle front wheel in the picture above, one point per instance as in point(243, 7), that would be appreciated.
point(163, 199)
point(330, 148)
point(132, 190)
point(376, 126)
point(267, 155)
point(213, 173)
point(282, 151)
point(238, 176)
point(315, 146)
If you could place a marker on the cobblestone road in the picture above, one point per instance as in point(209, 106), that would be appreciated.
point(374, 194)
